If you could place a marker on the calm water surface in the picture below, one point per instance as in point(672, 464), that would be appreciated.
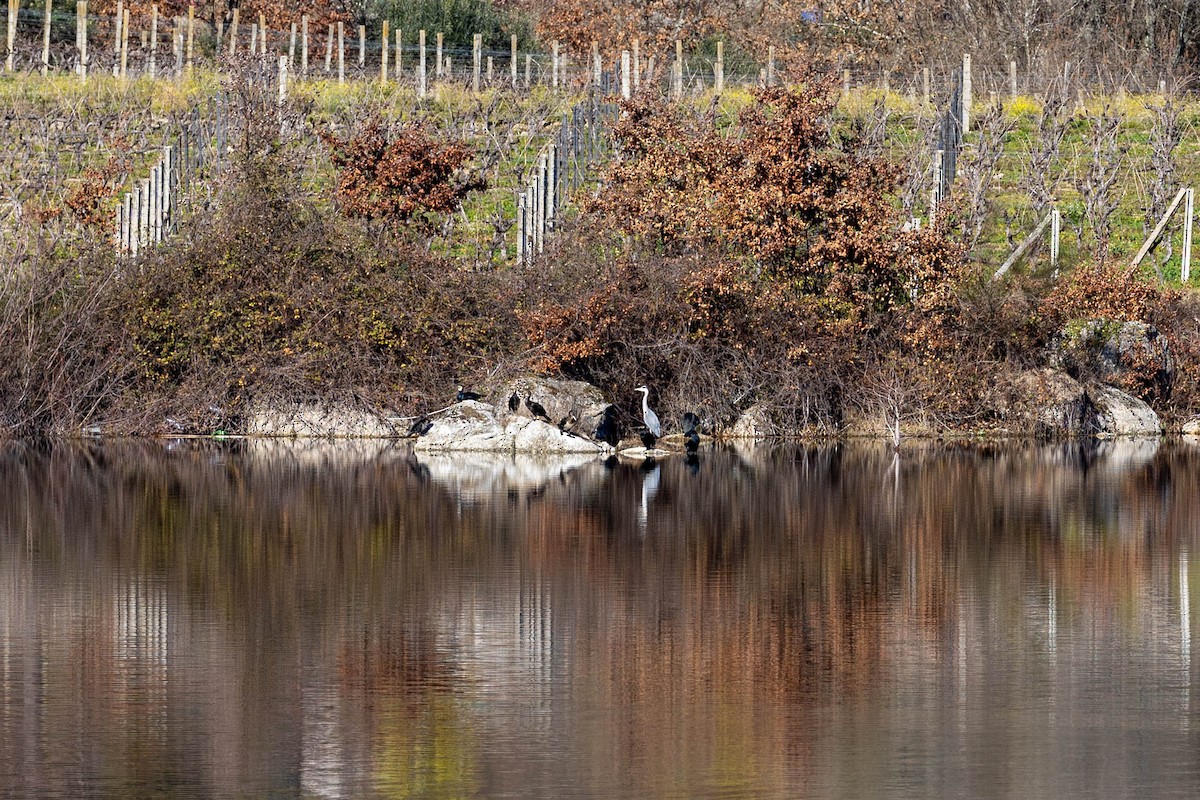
point(259, 620)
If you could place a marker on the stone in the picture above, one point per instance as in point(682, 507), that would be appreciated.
point(1060, 406)
point(1118, 353)
point(754, 423)
point(320, 420)
point(473, 425)
point(1191, 427)
point(580, 404)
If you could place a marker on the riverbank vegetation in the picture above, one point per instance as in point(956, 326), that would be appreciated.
point(747, 250)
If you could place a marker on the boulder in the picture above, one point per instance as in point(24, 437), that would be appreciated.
point(580, 406)
point(479, 426)
point(754, 423)
point(1062, 406)
point(1128, 354)
point(1191, 427)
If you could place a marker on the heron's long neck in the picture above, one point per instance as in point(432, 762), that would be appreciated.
point(645, 405)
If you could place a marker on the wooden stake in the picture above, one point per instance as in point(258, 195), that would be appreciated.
point(383, 54)
point(124, 42)
point(83, 39)
point(771, 65)
point(46, 39)
point(528, 68)
point(626, 78)
point(329, 49)
point(512, 61)
point(1158, 229)
point(304, 46)
point(439, 72)
point(341, 44)
point(12, 33)
point(191, 37)
point(421, 88)
point(153, 40)
point(553, 64)
point(1189, 209)
point(362, 46)
point(399, 66)
point(637, 65)
point(1020, 251)
point(233, 26)
point(476, 55)
point(966, 94)
point(1012, 79)
point(292, 43)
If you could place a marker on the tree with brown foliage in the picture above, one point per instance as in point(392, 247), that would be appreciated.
point(411, 177)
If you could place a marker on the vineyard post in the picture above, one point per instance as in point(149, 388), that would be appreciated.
point(553, 63)
point(116, 35)
point(512, 62)
point(490, 69)
point(637, 65)
point(421, 64)
point(936, 191)
point(677, 89)
point(448, 69)
point(329, 49)
point(362, 46)
point(283, 79)
point(292, 43)
point(528, 68)
point(46, 39)
point(383, 54)
point(476, 55)
point(124, 212)
point(551, 182)
point(304, 46)
point(1012, 79)
point(540, 227)
point(124, 42)
point(133, 205)
point(253, 38)
point(11, 33)
point(521, 228)
point(177, 41)
point(1162, 87)
point(220, 37)
point(625, 76)
point(1055, 234)
point(341, 46)
point(771, 65)
point(399, 65)
point(154, 41)
point(258, 36)
point(233, 26)
point(966, 94)
point(845, 83)
point(719, 68)
point(1189, 209)
point(925, 86)
point(83, 40)
point(191, 37)
point(437, 67)
point(597, 66)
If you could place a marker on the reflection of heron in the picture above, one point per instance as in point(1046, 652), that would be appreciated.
point(650, 419)
point(649, 488)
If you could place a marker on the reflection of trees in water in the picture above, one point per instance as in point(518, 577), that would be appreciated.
point(760, 582)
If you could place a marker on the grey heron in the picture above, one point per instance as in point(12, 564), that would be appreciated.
point(650, 419)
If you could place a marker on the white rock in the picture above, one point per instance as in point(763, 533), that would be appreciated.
point(319, 420)
point(473, 425)
point(754, 423)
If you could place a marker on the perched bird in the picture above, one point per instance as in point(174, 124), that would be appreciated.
point(465, 395)
point(420, 427)
point(691, 441)
point(689, 422)
point(649, 419)
point(567, 422)
point(608, 431)
point(649, 440)
point(537, 409)
point(514, 402)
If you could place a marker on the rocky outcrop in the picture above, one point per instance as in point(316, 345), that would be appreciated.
point(1117, 353)
point(320, 420)
point(1061, 406)
point(754, 423)
point(577, 406)
point(475, 425)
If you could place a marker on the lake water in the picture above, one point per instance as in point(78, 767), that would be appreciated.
point(266, 620)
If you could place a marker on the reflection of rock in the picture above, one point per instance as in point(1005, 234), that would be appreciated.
point(319, 420)
point(323, 453)
point(1062, 406)
point(476, 426)
point(477, 476)
point(1117, 457)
